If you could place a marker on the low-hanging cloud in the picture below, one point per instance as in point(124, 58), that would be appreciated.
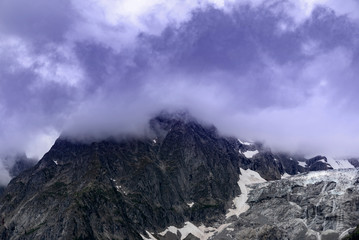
point(282, 72)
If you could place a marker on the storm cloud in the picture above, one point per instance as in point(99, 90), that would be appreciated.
point(281, 72)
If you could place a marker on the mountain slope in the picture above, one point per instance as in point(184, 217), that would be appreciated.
point(315, 205)
point(116, 189)
point(179, 173)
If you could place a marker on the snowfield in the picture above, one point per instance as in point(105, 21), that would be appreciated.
point(249, 180)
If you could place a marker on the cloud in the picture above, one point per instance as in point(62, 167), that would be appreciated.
point(37, 21)
point(283, 72)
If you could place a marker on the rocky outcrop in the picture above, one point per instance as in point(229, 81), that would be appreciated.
point(267, 166)
point(318, 163)
point(354, 162)
point(315, 205)
point(270, 165)
point(353, 235)
point(115, 189)
point(129, 187)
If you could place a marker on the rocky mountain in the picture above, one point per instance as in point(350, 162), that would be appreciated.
point(181, 174)
point(316, 205)
point(118, 188)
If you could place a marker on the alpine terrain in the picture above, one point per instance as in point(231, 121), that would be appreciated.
point(182, 180)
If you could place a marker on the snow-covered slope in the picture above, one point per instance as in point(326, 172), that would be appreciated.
point(339, 164)
point(247, 178)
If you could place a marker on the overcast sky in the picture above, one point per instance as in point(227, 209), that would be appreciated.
point(282, 72)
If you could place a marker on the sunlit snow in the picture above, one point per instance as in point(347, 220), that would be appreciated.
point(202, 232)
point(151, 237)
point(246, 178)
point(339, 164)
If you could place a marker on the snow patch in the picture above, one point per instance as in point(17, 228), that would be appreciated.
point(250, 154)
point(303, 164)
point(339, 164)
point(202, 232)
point(190, 204)
point(151, 237)
point(55, 162)
point(247, 177)
point(244, 143)
point(119, 188)
point(285, 175)
point(154, 141)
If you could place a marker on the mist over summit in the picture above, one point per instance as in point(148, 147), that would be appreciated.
point(167, 119)
point(281, 73)
point(180, 179)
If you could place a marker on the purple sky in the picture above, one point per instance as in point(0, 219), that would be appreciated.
point(282, 72)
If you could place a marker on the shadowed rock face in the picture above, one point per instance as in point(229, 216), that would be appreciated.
point(353, 235)
point(354, 162)
point(318, 163)
point(117, 189)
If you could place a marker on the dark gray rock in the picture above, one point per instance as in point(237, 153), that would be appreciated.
point(191, 237)
point(318, 163)
point(354, 162)
point(314, 205)
point(116, 189)
point(120, 188)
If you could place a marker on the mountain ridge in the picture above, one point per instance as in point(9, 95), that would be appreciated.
point(120, 188)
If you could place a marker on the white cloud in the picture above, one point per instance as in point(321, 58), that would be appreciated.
point(55, 63)
point(41, 143)
point(302, 94)
point(117, 23)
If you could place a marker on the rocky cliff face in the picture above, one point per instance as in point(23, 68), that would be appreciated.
point(180, 173)
point(316, 205)
point(117, 188)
